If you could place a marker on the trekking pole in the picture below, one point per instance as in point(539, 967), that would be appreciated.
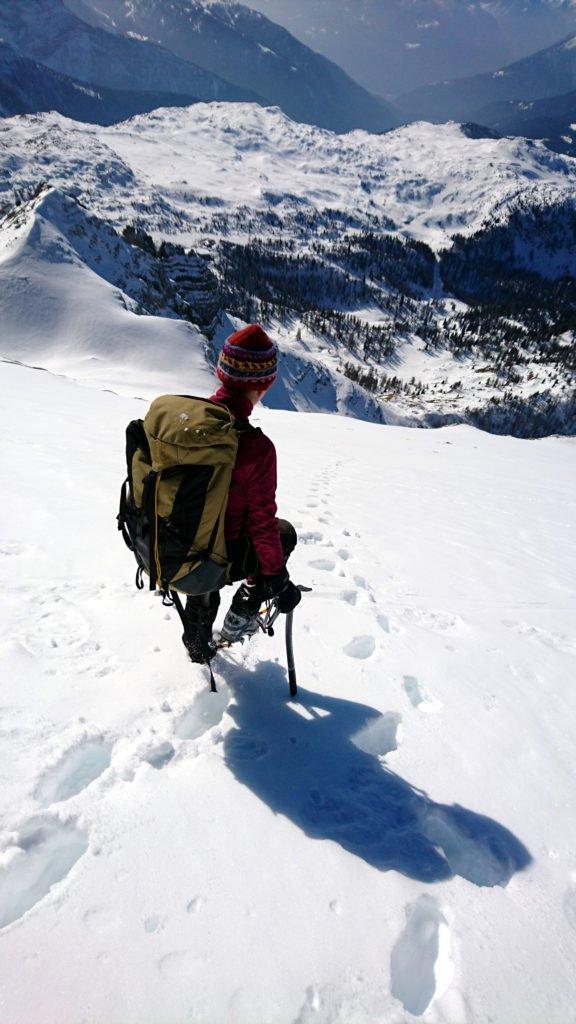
point(292, 680)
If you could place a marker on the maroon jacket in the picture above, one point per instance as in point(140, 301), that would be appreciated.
point(251, 509)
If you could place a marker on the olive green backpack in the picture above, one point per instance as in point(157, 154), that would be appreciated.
point(173, 503)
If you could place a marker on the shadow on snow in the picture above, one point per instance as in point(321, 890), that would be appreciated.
point(303, 761)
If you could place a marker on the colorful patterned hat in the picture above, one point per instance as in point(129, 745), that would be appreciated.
point(249, 359)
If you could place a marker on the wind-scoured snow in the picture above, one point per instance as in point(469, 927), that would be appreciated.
point(396, 845)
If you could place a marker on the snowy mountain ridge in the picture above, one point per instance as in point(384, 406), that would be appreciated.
point(427, 182)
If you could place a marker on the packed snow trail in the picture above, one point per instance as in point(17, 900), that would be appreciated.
point(398, 844)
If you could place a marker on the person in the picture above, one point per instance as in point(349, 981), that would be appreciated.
point(258, 543)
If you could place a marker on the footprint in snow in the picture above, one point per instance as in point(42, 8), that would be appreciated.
point(180, 965)
point(152, 924)
point(158, 754)
point(43, 854)
point(361, 647)
point(78, 767)
point(324, 564)
point(380, 737)
point(195, 904)
point(310, 537)
point(418, 697)
point(556, 641)
point(350, 596)
point(61, 637)
point(421, 968)
point(240, 747)
point(438, 622)
point(385, 625)
point(344, 554)
point(206, 712)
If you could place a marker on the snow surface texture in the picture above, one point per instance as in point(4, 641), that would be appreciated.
point(397, 845)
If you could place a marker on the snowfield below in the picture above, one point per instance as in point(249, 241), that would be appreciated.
point(400, 844)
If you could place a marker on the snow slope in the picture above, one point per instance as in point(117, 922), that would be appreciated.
point(398, 845)
point(57, 310)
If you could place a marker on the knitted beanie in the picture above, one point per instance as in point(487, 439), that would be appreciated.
point(248, 360)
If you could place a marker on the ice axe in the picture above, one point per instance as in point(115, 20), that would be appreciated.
point(266, 622)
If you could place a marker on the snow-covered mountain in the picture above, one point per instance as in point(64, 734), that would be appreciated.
point(47, 32)
point(392, 46)
point(548, 73)
point(254, 53)
point(27, 87)
point(431, 266)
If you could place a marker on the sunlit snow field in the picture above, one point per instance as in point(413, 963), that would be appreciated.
point(399, 844)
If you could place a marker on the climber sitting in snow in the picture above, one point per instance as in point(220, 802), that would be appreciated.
point(258, 543)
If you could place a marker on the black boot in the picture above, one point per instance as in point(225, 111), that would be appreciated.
point(201, 612)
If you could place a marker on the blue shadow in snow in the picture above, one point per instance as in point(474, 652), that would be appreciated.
point(306, 765)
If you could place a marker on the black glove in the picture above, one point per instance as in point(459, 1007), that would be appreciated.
point(271, 588)
point(281, 589)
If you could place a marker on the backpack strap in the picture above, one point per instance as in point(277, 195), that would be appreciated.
point(121, 517)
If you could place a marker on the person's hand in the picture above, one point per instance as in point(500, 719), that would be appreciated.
point(280, 588)
point(289, 598)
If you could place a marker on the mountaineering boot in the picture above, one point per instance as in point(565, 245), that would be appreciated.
point(200, 614)
point(241, 621)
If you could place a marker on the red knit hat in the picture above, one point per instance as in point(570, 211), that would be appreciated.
point(248, 360)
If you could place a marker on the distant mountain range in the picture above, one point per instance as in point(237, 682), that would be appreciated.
point(27, 87)
point(393, 46)
point(548, 73)
point(47, 32)
point(249, 51)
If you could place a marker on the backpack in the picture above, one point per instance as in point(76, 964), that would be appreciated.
point(172, 505)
